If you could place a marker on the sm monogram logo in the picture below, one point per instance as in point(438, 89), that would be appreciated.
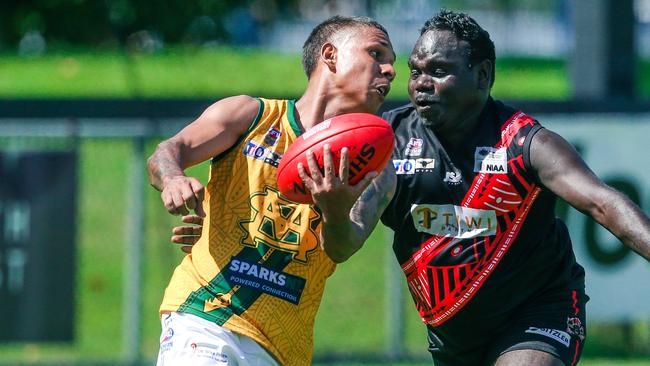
point(281, 224)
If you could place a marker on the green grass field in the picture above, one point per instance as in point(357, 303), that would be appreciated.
point(351, 317)
point(209, 73)
point(214, 72)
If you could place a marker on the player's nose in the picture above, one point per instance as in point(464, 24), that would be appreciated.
point(388, 71)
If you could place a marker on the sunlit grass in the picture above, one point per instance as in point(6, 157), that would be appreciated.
point(220, 71)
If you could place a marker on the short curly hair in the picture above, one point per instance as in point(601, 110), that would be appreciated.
point(324, 32)
point(467, 29)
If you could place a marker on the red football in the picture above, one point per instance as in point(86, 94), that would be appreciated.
point(369, 139)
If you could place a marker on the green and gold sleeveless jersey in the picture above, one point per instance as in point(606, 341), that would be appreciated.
point(258, 268)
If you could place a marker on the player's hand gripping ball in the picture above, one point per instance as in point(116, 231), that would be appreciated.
point(369, 139)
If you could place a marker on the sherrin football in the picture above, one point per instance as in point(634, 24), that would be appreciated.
point(369, 139)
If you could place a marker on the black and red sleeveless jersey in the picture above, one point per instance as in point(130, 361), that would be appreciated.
point(475, 233)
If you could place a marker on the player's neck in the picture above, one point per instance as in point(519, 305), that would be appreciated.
point(455, 136)
point(318, 103)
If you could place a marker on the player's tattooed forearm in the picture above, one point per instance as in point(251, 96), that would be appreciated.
point(383, 202)
point(163, 163)
point(368, 208)
point(369, 194)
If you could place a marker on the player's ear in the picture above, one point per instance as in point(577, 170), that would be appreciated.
point(484, 69)
point(328, 54)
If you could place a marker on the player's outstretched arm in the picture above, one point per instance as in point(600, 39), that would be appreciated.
point(350, 213)
point(561, 169)
point(216, 130)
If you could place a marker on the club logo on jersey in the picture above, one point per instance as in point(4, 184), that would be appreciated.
point(490, 160)
point(257, 151)
point(272, 136)
point(281, 224)
point(453, 221)
point(414, 147)
point(575, 328)
point(453, 178)
point(558, 335)
point(412, 166)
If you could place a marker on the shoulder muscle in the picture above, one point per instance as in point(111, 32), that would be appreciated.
point(217, 128)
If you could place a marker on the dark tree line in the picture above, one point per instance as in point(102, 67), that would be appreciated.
point(92, 22)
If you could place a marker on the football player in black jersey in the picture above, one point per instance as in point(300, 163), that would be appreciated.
point(490, 269)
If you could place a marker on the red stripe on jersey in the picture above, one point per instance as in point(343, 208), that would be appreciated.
point(512, 126)
point(517, 172)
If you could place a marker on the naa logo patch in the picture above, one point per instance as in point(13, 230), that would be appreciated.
point(487, 159)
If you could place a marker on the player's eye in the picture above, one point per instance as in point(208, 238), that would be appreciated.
point(414, 73)
point(439, 72)
point(374, 54)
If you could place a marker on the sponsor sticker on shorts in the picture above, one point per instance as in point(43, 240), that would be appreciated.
point(209, 351)
point(558, 335)
point(166, 342)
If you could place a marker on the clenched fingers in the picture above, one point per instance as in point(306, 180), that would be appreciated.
point(182, 195)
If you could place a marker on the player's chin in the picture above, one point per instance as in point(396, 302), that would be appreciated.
point(373, 103)
point(431, 120)
point(429, 114)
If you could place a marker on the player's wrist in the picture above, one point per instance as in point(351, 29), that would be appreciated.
point(170, 178)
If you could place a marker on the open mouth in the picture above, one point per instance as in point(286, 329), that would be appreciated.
point(383, 90)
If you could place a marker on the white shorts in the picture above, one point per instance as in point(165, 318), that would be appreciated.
point(188, 340)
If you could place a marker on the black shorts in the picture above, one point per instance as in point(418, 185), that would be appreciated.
point(554, 323)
